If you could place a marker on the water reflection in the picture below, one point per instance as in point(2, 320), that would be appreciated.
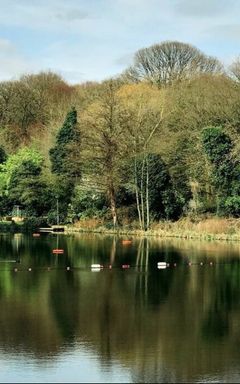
point(139, 325)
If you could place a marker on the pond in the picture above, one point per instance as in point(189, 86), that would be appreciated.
point(60, 321)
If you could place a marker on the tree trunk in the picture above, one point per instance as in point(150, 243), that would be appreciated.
point(112, 199)
point(137, 193)
point(142, 195)
point(147, 194)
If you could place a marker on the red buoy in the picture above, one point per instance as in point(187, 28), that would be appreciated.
point(57, 251)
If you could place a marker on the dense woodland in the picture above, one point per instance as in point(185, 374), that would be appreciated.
point(158, 142)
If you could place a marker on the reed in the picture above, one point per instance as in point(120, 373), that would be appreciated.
point(213, 228)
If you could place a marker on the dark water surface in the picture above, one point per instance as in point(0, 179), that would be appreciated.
point(180, 324)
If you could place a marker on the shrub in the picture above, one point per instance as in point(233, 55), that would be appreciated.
point(231, 206)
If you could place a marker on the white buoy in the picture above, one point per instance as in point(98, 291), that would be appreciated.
point(96, 267)
point(162, 265)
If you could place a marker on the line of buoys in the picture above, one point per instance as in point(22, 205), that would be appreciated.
point(58, 251)
point(99, 267)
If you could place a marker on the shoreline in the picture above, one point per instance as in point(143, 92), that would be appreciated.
point(207, 229)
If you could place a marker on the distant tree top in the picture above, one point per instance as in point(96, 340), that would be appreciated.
point(170, 61)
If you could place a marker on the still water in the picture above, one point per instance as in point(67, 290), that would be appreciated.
point(180, 324)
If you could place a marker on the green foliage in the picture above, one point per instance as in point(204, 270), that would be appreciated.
point(67, 142)
point(68, 131)
point(162, 200)
point(88, 203)
point(22, 184)
point(28, 156)
point(231, 206)
point(217, 144)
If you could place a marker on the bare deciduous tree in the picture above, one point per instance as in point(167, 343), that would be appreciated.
point(235, 69)
point(170, 61)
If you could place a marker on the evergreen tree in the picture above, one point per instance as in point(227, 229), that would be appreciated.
point(65, 161)
point(65, 155)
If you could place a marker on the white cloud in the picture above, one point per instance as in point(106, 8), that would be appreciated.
point(204, 8)
point(12, 63)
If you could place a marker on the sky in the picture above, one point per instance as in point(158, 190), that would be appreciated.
point(91, 40)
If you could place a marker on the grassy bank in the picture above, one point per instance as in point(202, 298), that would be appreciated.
point(213, 228)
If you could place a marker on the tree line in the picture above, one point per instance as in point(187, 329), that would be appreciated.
point(157, 142)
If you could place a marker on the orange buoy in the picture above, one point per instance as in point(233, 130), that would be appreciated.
point(57, 251)
point(126, 242)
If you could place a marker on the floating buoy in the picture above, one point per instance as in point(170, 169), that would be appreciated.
point(126, 242)
point(68, 268)
point(125, 266)
point(175, 264)
point(110, 267)
point(15, 269)
point(30, 269)
point(36, 234)
point(57, 251)
point(162, 265)
point(190, 264)
point(201, 263)
point(96, 267)
point(211, 263)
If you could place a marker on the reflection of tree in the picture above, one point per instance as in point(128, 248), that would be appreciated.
point(224, 299)
point(152, 285)
point(153, 322)
point(64, 299)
